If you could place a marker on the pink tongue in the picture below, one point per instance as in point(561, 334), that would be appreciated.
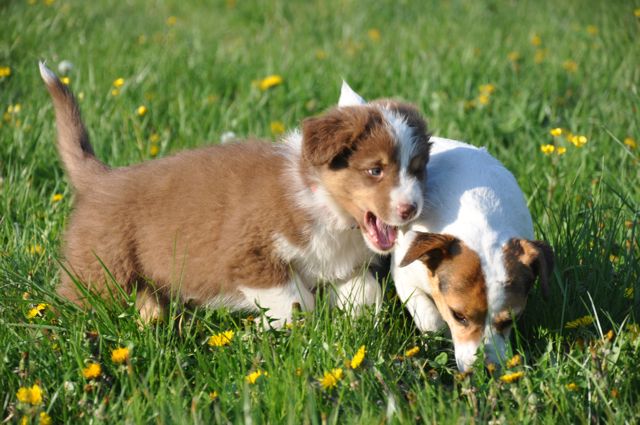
point(386, 234)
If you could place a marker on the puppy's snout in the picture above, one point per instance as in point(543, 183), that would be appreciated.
point(407, 211)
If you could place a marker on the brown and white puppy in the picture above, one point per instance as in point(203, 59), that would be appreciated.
point(247, 224)
point(469, 259)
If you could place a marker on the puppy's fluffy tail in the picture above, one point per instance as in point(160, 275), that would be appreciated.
point(73, 141)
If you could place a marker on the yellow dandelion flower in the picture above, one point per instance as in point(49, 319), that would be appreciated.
point(547, 149)
point(45, 419)
point(630, 143)
point(154, 138)
point(298, 371)
point(374, 34)
point(5, 71)
point(35, 249)
point(36, 311)
point(172, 20)
point(570, 65)
point(31, 395)
point(555, 132)
point(330, 379)
point(536, 40)
point(269, 82)
point(609, 335)
point(321, 54)
point(636, 12)
point(629, 292)
point(221, 339)
point(213, 395)
point(613, 258)
point(57, 197)
point(513, 56)
point(576, 140)
point(561, 150)
point(254, 376)
point(49, 2)
point(487, 88)
point(277, 127)
point(357, 360)
point(483, 99)
point(153, 150)
point(92, 371)
point(592, 29)
point(118, 82)
point(514, 361)
point(141, 110)
point(491, 367)
point(115, 92)
point(572, 386)
point(65, 80)
point(412, 351)
point(510, 378)
point(120, 355)
point(540, 55)
point(579, 322)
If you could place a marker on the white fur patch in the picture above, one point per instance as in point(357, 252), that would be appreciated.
point(279, 300)
point(466, 354)
point(348, 97)
point(409, 188)
point(359, 291)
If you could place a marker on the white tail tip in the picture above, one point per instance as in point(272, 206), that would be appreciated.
point(47, 75)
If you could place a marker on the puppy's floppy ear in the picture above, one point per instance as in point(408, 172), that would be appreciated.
point(537, 256)
point(431, 248)
point(336, 132)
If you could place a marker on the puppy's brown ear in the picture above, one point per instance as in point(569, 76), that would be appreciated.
point(431, 248)
point(336, 132)
point(537, 256)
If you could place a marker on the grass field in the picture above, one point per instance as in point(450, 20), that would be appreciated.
point(496, 73)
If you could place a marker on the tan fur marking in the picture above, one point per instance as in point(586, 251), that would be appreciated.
point(524, 262)
point(456, 280)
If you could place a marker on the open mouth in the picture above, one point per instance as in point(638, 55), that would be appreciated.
point(379, 233)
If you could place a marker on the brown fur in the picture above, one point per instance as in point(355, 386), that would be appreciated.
point(202, 223)
point(169, 221)
point(348, 141)
point(456, 280)
point(524, 262)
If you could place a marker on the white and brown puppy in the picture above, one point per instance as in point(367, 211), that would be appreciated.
point(469, 259)
point(247, 224)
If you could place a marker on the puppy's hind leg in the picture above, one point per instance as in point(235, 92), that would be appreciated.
point(279, 300)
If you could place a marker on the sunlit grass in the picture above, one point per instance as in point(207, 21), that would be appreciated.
point(156, 78)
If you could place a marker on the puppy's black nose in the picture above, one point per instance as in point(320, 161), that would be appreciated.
point(406, 211)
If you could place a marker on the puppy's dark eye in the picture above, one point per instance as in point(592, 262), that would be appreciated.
point(416, 166)
point(459, 318)
point(375, 171)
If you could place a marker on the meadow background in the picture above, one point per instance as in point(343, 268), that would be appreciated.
point(155, 77)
